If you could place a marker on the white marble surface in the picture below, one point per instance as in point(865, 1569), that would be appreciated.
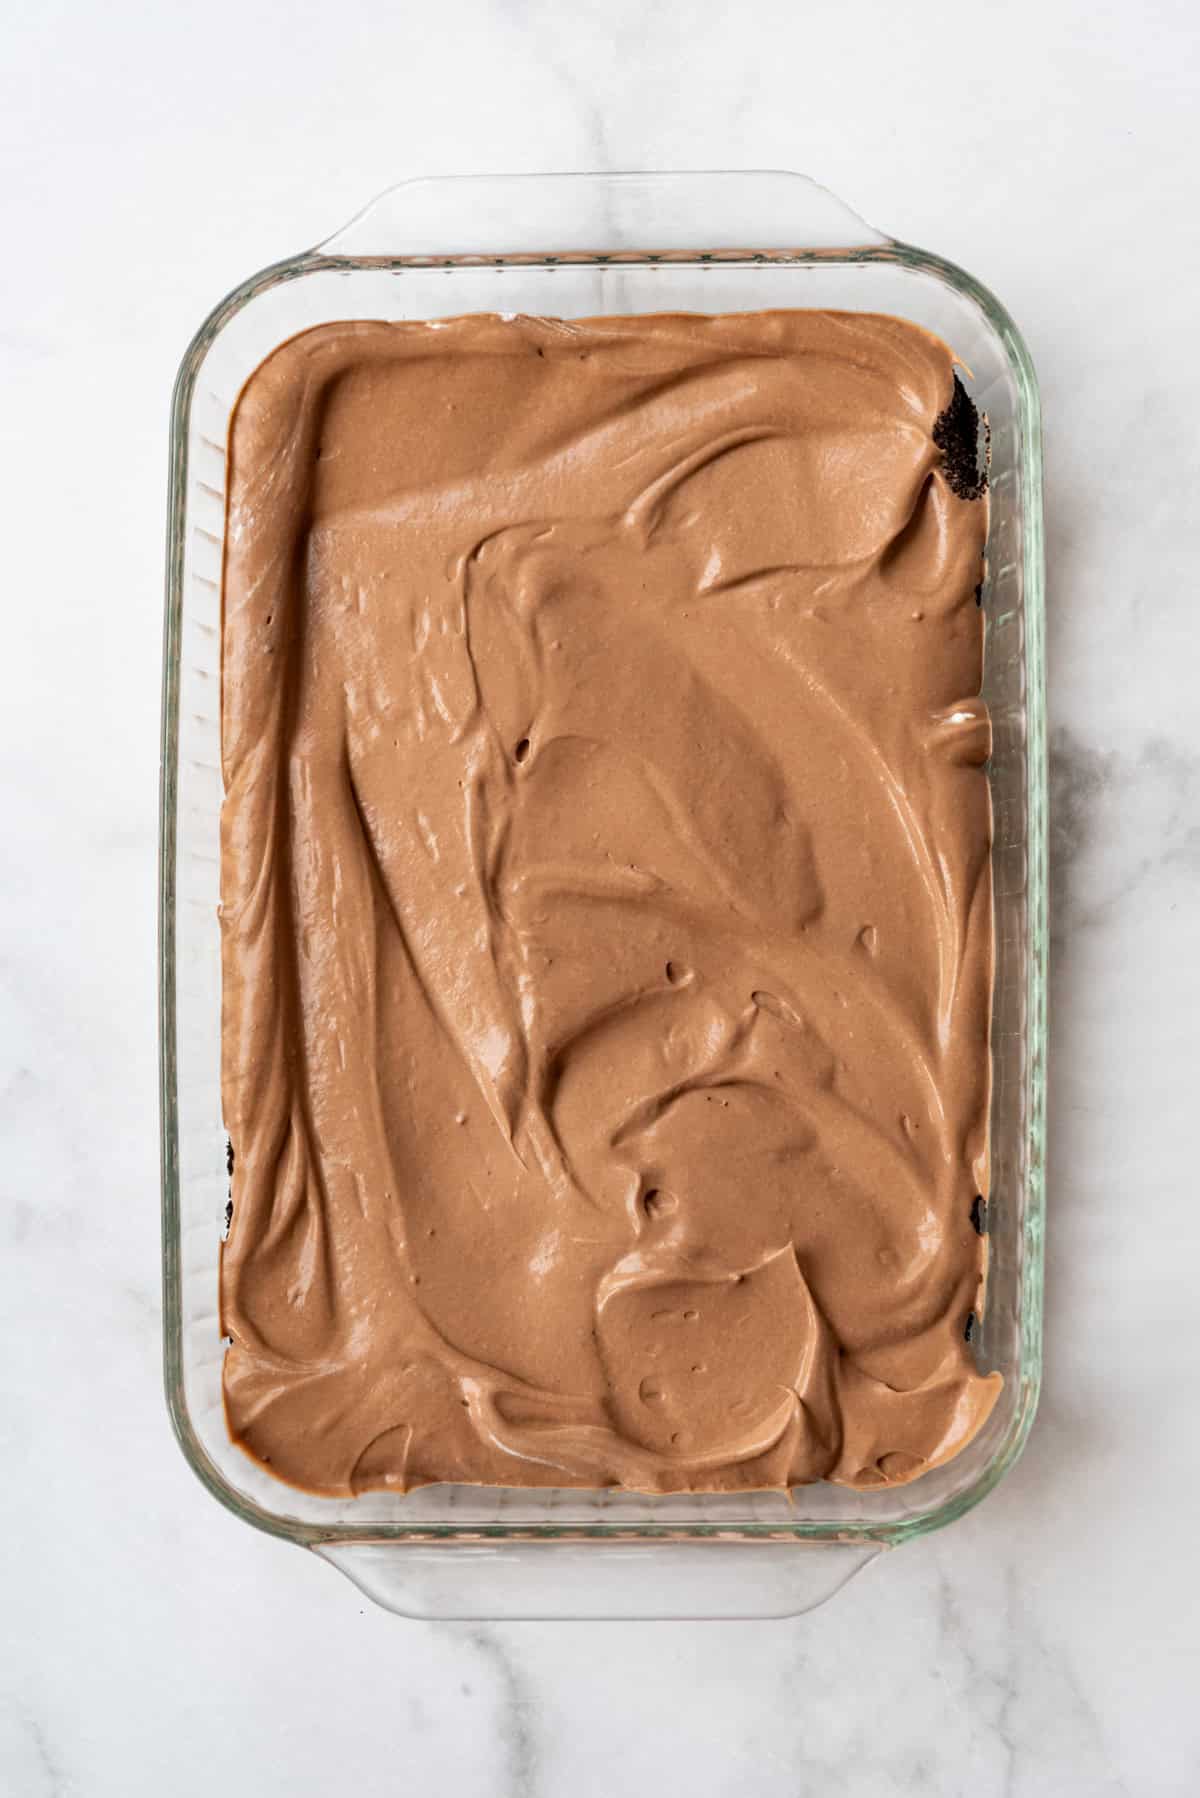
point(152, 154)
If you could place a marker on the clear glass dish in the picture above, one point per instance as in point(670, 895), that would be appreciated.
point(581, 245)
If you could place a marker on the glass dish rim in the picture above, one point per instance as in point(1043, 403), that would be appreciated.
point(1028, 1372)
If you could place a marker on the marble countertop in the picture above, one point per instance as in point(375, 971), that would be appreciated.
point(1046, 1644)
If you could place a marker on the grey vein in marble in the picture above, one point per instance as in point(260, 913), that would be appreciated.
point(1116, 817)
point(518, 1712)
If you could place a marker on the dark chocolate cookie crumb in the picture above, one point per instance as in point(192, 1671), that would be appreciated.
point(228, 1215)
point(229, 1157)
point(979, 1214)
point(969, 1327)
point(956, 434)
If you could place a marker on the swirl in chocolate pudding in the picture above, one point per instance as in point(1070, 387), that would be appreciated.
point(607, 932)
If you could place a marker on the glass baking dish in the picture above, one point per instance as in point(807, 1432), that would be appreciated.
point(582, 245)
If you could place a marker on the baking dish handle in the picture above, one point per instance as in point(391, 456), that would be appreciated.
point(587, 214)
point(588, 1580)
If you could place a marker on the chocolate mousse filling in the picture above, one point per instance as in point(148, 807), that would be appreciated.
point(606, 904)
